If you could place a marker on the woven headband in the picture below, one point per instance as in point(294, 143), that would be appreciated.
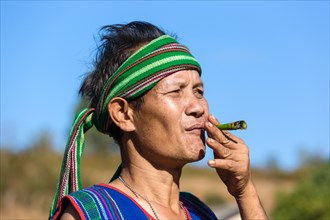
point(158, 59)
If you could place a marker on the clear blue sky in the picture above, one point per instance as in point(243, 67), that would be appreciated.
point(266, 62)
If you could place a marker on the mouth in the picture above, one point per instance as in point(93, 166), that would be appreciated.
point(197, 128)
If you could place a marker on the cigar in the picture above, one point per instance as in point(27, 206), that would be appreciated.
point(233, 126)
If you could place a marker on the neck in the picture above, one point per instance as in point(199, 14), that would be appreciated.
point(154, 181)
point(157, 184)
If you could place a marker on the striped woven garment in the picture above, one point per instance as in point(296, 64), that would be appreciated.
point(106, 202)
point(159, 58)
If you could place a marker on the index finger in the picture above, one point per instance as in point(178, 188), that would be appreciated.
point(217, 134)
point(233, 137)
point(228, 135)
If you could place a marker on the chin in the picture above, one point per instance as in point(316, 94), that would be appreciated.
point(201, 154)
point(198, 153)
point(192, 156)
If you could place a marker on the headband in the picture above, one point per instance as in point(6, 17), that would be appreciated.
point(158, 59)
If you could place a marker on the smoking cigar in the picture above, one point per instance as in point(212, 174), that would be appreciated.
point(233, 126)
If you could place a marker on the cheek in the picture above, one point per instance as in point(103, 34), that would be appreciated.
point(206, 108)
point(172, 110)
point(159, 119)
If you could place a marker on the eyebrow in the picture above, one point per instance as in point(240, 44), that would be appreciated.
point(180, 82)
point(199, 84)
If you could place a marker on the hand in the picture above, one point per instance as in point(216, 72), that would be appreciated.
point(231, 158)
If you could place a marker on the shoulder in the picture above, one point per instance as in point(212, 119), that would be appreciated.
point(197, 209)
point(80, 204)
point(70, 213)
point(98, 202)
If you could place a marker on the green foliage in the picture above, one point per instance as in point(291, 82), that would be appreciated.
point(29, 175)
point(310, 200)
point(212, 198)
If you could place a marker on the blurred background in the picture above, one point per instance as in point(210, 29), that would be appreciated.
point(266, 62)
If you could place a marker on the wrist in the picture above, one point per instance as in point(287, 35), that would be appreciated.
point(249, 203)
point(248, 192)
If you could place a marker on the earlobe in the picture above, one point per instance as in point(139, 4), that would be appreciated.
point(120, 113)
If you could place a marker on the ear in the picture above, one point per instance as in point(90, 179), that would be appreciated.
point(121, 114)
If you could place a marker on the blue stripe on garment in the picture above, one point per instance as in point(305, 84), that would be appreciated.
point(197, 209)
point(106, 202)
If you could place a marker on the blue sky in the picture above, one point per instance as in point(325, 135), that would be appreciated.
point(266, 62)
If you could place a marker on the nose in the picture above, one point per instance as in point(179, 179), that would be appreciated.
point(195, 107)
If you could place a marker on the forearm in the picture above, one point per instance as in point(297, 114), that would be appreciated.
point(249, 204)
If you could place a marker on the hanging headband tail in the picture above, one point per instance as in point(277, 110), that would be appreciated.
point(70, 171)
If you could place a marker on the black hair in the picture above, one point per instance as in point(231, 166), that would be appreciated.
point(117, 43)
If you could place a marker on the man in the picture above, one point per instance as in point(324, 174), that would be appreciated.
point(146, 92)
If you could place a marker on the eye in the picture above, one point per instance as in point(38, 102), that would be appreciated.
point(175, 91)
point(199, 92)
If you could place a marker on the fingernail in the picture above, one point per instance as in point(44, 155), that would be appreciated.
point(209, 124)
point(210, 140)
point(211, 163)
point(212, 117)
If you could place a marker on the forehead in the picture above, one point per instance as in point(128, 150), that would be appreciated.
point(181, 77)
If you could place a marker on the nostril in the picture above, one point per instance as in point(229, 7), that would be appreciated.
point(195, 109)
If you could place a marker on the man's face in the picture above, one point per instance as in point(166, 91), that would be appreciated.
point(169, 125)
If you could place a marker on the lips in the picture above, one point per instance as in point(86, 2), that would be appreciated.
point(198, 127)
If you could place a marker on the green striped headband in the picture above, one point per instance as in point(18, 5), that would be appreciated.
point(158, 59)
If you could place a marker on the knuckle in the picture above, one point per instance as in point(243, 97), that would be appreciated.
point(244, 149)
point(226, 152)
point(231, 165)
point(239, 177)
point(226, 142)
point(247, 149)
